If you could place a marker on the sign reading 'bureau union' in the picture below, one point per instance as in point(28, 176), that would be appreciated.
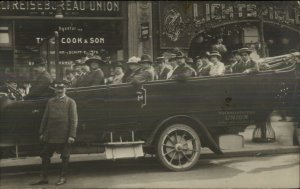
point(69, 8)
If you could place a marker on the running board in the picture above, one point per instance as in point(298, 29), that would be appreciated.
point(120, 149)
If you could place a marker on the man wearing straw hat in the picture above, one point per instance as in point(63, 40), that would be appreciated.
point(57, 131)
point(245, 64)
point(134, 68)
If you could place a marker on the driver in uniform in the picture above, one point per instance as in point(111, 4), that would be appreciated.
point(57, 131)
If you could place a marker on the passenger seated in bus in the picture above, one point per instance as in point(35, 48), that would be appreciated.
point(163, 69)
point(81, 73)
point(70, 78)
point(117, 74)
point(182, 71)
point(146, 72)
point(189, 61)
point(203, 65)
point(218, 67)
point(233, 60)
point(96, 76)
point(133, 69)
point(42, 80)
point(245, 64)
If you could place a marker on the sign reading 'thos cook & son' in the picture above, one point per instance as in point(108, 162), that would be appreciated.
point(69, 8)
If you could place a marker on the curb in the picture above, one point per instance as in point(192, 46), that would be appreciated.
point(250, 153)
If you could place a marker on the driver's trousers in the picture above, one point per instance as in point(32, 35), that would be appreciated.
point(47, 152)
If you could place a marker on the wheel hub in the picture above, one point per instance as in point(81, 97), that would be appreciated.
point(178, 147)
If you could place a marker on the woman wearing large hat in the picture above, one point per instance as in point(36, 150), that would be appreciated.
point(96, 76)
point(95, 60)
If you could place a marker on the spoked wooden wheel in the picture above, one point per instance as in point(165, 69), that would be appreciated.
point(178, 147)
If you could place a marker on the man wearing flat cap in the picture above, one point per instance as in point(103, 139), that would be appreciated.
point(42, 81)
point(163, 69)
point(245, 64)
point(96, 76)
point(147, 72)
point(182, 70)
point(57, 131)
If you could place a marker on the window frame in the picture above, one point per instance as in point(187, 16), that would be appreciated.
point(8, 45)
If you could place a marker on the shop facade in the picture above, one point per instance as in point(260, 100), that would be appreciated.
point(62, 32)
point(270, 28)
point(117, 30)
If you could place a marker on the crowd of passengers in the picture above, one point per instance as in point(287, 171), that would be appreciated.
point(141, 69)
point(177, 66)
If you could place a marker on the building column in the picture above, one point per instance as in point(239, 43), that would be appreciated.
point(139, 12)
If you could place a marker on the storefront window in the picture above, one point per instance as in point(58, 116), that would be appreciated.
point(76, 39)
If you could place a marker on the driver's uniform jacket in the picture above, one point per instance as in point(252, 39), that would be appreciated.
point(60, 120)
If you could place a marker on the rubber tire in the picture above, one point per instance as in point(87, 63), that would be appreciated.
point(160, 141)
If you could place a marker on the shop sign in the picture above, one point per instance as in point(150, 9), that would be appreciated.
point(145, 31)
point(180, 20)
point(76, 39)
point(69, 8)
point(236, 117)
point(229, 11)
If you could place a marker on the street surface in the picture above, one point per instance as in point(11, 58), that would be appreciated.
point(280, 171)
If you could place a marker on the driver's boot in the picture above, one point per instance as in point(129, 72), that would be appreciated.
point(65, 163)
point(44, 173)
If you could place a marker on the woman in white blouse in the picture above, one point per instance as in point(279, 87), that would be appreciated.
point(218, 68)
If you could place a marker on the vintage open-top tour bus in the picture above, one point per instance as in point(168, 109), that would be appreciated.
point(169, 118)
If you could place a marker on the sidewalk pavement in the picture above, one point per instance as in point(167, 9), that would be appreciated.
point(282, 145)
